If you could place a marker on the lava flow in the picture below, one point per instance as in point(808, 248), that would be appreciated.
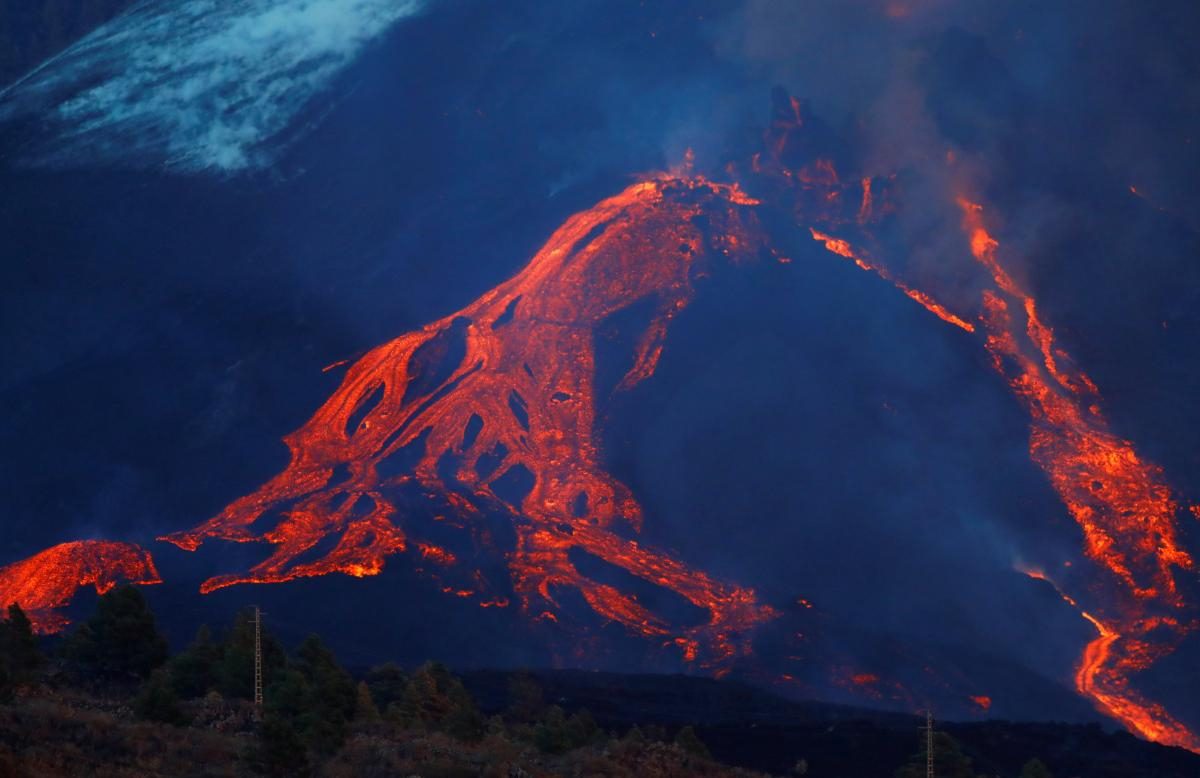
point(47, 581)
point(492, 411)
point(1122, 503)
point(504, 389)
point(1101, 676)
point(843, 249)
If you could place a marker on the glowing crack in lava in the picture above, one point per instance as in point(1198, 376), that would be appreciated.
point(521, 399)
point(47, 581)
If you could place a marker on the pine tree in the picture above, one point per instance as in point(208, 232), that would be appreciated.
point(634, 735)
point(365, 709)
point(6, 683)
point(526, 699)
point(948, 760)
point(234, 669)
point(550, 734)
point(18, 646)
point(1036, 768)
point(331, 697)
point(194, 670)
point(157, 700)
point(287, 695)
point(690, 742)
point(121, 638)
point(280, 750)
point(387, 683)
point(582, 729)
point(435, 700)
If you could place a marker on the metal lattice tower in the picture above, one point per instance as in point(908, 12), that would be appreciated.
point(929, 744)
point(258, 674)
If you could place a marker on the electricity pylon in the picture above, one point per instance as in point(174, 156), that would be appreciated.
point(258, 674)
point(929, 744)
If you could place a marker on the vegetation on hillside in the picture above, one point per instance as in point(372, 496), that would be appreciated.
point(111, 701)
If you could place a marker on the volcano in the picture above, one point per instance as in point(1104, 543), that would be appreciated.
point(489, 454)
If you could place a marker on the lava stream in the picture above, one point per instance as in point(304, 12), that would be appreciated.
point(47, 581)
point(519, 400)
point(1121, 502)
point(1098, 677)
point(843, 249)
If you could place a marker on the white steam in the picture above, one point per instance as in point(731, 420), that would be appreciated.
point(194, 85)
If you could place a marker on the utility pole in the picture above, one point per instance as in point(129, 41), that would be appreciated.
point(258, 675)
point(929, 744)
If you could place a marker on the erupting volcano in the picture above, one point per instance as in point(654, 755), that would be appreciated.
point(493, 410)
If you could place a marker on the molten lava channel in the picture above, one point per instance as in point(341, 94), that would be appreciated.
point(1122, 503)
point(521, 397)
point(506, 387)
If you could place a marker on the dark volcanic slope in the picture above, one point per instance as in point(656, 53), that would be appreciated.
point(746, 726)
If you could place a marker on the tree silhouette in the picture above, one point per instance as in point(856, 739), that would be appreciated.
point(157, 700)
point(364, 706)
point(120, 640)
point(330, 696)
point(689, 741)
point(1036, 768)
point(387, 683)
point(20, 657)
point(194, 670)
point(436, 700)
point(280, 750)
point(948, 760)
point(235, 669)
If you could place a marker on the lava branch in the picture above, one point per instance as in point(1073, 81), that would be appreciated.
point(1121, 502)
point(843, 249)
point(1102, 676)
point(520, 399)
point(46, 582)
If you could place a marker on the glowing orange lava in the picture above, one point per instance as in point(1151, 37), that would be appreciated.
point(503, 392)
point(47, 581)
point(1102, 677)
point(982, 701)
point(1122, 503)
point(520, 399)
point(843, 249)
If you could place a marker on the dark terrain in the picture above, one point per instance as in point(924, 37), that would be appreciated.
point(749, 727)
